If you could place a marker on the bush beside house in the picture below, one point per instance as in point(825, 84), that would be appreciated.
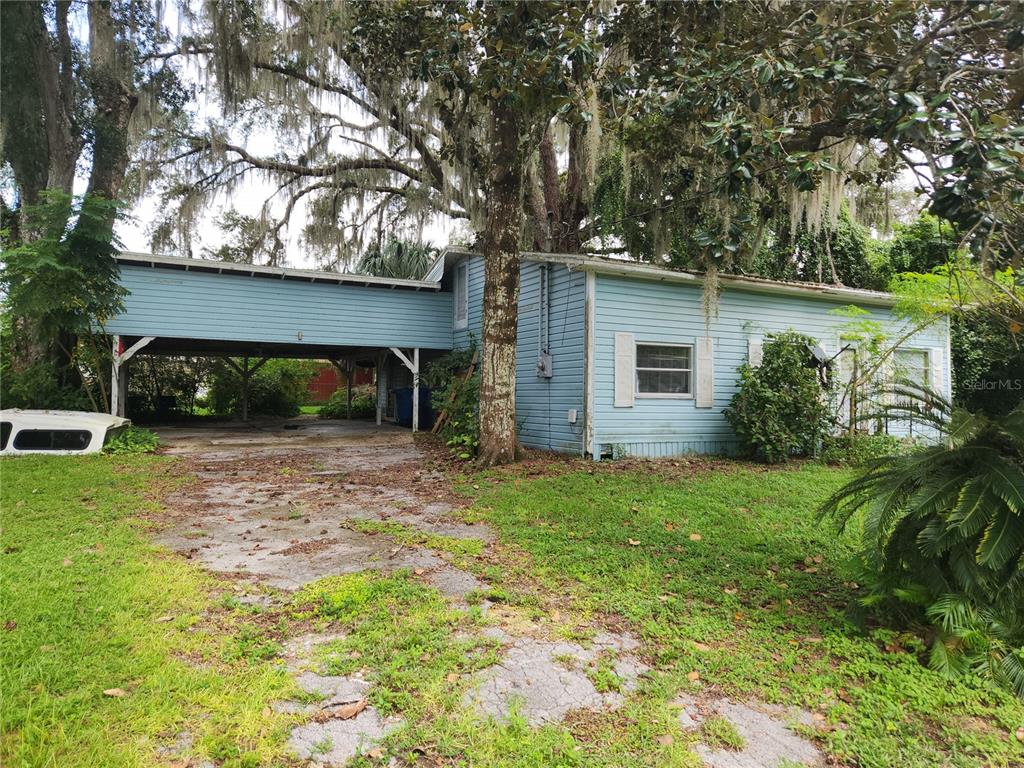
point(781, 409)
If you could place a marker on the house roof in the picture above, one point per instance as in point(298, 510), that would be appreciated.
point(624, 268)
point(251, 270)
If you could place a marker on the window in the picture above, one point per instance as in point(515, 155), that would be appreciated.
point(5, 433)
point(911, 365)
point(52, 439)
point(664, 369)
point(462, 294)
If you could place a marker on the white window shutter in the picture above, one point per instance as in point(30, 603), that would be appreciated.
point(625, 369)
point(935, 361)
point(705, 396)
point(755, 352)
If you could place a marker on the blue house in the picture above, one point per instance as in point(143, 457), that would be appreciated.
point(614, 358)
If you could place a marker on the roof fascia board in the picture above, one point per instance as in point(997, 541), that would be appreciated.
point(251, 270)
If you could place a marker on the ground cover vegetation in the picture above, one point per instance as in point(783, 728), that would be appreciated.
point(719, 568)
point(109, 646)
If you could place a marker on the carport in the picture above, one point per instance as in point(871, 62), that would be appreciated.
point(182, 306)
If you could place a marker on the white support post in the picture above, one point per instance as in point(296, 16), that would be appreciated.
point(350, 372)
point(381, 394)
point(116, 406)
point(416, 390)
point(414, 366)
point(119, 373)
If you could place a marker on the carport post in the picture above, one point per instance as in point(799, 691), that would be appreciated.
point(416, 390)
point(414, 366)
point(381, 392)
point(350, 372)
point(119, 372)
point(246, 373)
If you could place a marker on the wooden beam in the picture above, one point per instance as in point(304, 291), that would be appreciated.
point(128, 353)
point(414, 367)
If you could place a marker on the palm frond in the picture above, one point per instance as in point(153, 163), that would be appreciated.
point(1002, 541)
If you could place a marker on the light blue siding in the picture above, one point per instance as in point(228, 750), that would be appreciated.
point(657, 311)
point(465, 337)
point(178, 304)
point(542, 404)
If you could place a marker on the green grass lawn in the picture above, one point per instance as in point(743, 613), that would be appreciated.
point(729, 574)
point(88, 606)
point(724, 573)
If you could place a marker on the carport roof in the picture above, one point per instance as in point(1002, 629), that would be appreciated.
point(281, 273)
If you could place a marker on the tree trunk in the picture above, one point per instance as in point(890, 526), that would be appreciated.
point(498, 441)
point(110, 83)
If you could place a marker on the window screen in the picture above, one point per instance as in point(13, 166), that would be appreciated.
point(912, 365)
point(663, 369)
point(52, 439)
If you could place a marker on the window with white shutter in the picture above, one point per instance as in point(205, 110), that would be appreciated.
point(664, 370)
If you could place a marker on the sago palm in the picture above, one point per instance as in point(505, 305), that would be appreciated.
point(943, 529)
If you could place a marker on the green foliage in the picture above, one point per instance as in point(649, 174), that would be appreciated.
point(37, 386)
point(66, 280)
point(364, 403)
point(855, 448)
point(943, 534)
point(780, 410)
point(59, 288)
point(859, 260)
point(132, 440)
point(921, 246)
point(160, 386)
point(461, 432)
point(397, 259)
point(716, 98)
point(247, 238)
point(278, 388)
point(988, 358)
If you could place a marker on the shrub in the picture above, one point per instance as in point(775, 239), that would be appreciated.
point(278, 388)
point(364, 403)
point(780, 409)
point(942, 535)
point(132, 440)
point(856, 448)
point(461, 399)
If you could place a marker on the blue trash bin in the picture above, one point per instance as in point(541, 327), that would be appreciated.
point(403, 407)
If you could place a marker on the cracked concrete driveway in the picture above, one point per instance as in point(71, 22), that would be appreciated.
point(284, 503)
point(274, 502)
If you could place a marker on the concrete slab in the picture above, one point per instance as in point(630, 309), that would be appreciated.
point(544, 680)
point(769, 741)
